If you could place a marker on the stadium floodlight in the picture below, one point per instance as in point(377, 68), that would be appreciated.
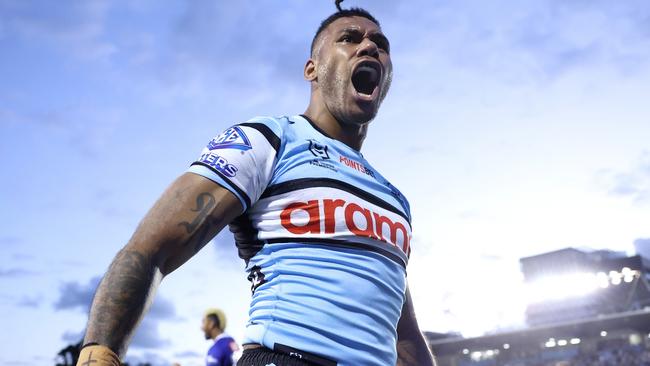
point(603, 279)
point(476, 356)
point(629, 275)
point(628, 278)
point(577, 284)
point(575, 341)
point(562, 342)
point(562, 287)
point(550, 343)
point(615, 277)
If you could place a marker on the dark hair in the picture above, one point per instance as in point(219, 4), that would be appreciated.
point(215, 319)
point(342, 13)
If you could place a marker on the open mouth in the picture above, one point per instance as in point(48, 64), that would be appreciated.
point(365, 78)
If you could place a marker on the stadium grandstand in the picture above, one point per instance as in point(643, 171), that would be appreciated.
point(585, 308)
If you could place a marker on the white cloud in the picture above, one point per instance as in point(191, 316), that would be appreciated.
point(147, 336)
point(74, 295)
point(634, 183)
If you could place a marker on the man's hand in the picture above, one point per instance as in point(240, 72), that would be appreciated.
point(94, 355)
point(188, 215)
point(412, 348)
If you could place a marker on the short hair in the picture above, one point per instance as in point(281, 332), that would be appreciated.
point(217, 316)
point(352, 12)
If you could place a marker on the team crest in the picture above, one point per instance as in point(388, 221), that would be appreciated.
point(318, 150)
point(232, 138)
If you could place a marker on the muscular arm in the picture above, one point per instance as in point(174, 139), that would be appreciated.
point(188, 214)
point(412, 348)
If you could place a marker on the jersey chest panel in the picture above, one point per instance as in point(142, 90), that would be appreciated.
point(323, 190)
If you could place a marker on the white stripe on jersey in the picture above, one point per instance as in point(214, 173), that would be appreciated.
point(330, 213)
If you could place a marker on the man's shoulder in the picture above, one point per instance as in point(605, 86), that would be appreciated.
point(224, 344)
point(275, 124)
point(224, 339)
point(274, 129)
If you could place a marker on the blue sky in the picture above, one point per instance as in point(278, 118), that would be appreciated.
point(514, 128)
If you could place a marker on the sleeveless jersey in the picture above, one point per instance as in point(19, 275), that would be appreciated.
point(325, 238)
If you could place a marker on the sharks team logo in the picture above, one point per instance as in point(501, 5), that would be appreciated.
point(232, 138)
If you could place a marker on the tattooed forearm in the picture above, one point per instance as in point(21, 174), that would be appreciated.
point(121, 299)
point(203, 224)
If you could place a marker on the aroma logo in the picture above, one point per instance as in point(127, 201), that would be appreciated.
point(358, 220)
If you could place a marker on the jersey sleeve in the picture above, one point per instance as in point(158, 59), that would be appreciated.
point(242, 158)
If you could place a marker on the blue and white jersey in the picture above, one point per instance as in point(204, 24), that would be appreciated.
point(325, 237)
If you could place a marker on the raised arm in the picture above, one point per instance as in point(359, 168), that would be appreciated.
point(412, 348)
point(188, 214)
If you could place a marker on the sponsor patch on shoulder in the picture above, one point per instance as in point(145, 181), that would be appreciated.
point(219, 163)
point(232, 138)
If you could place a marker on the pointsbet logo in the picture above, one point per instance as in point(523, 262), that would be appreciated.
point(339, 216)
point(356, 165)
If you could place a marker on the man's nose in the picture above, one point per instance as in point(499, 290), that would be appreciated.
point(368, 48)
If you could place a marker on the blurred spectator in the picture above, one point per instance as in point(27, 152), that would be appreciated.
point(224, 349)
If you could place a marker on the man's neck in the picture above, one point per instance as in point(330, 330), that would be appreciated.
point(349, 134)
point(216, 333)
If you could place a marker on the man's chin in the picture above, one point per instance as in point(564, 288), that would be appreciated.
point(362, 113)
point(355, 113)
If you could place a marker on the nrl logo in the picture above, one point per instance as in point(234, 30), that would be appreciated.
point(318, 150)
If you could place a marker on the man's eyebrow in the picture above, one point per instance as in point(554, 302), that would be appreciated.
point(379, 37)
point(350, 30)
point(374, 35)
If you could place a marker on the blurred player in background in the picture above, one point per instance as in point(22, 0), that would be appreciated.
point(325, 237)
point(224, 349)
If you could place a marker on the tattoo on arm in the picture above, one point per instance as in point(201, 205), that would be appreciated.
point(130, 282)
point(203, 223)
point(205, 202)
point(121, 299)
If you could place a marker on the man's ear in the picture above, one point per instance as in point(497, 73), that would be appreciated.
point(310, 70)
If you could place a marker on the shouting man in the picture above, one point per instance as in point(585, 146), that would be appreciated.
point(325, 237)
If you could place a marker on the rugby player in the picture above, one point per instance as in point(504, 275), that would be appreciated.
point(222, 351)
point(325, 237)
